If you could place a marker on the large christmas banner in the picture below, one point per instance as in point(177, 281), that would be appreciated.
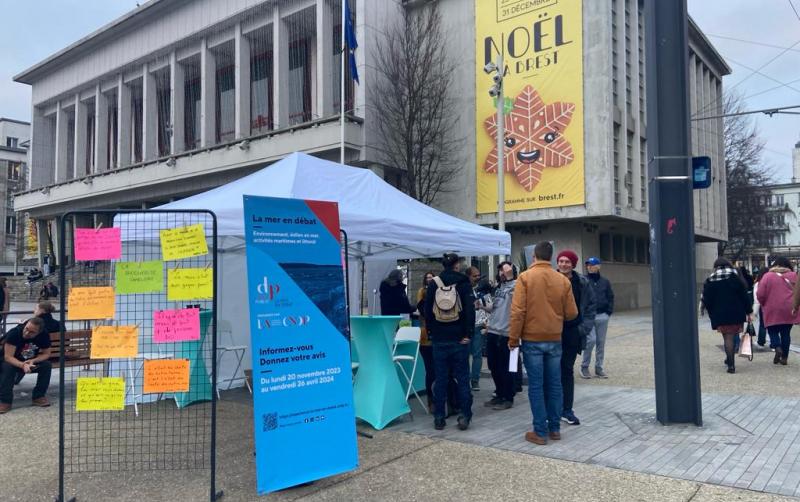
point(302, 389)
point(542, 47)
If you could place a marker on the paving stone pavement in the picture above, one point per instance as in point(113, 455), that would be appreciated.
point(746, 442)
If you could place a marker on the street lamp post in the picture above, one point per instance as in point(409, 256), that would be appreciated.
point(496, 92)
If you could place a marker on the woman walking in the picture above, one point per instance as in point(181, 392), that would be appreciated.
point(775, 296)
point(725, 298)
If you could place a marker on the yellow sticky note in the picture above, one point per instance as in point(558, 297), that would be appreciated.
point(183, 242)
point(91, 303)
point(114, 341)
point(100, 394)
point(166, 375)
point(190, 284)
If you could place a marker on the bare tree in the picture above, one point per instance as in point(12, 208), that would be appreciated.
point(747, 176)
point(417, 114)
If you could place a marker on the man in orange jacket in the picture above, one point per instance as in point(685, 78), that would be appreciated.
point(543, 300)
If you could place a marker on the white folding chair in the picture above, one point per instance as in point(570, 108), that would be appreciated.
point(224, 328)
point(408, 334)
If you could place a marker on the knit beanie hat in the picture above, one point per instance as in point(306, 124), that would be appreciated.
point(570, 255)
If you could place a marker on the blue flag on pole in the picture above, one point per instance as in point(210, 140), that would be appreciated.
point(350, 41)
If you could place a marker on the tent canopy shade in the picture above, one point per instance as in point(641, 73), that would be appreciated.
point(381, 222)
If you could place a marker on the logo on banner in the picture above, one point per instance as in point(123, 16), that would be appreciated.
point(266, 291)
point(269, 321)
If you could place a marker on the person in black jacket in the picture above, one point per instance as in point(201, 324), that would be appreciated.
point(451, 343)
point(394, 300)
point(725, 299)
point(604, 298)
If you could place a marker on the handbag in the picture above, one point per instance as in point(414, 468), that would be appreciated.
point(746, 345)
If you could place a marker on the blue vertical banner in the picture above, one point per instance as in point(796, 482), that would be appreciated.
point(302, 390)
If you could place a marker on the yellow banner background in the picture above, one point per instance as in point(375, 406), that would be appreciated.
point(555, 73)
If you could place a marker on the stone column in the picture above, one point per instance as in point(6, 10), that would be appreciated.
point(208, 104)
point(123, 123)
point(177, 104)
point(325, 76)
point(100, 131)
point(62, 133)
point(280, 69)
point(242, 71)
point(79, 165)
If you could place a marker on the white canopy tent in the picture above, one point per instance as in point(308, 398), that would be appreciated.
point(382, 225)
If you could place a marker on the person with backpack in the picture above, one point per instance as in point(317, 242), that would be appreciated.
point(450, 322)
point(775, 294)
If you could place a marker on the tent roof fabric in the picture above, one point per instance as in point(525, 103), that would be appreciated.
point(381, 222)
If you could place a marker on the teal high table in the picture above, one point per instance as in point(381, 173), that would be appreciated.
point(199, 378)
point(378, 396)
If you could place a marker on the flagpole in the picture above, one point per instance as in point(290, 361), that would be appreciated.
point(341, 102)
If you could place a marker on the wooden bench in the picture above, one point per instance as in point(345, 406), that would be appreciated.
point(76, 348)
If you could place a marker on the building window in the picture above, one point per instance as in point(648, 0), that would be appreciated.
point(640, 19)
point(225, 89)
point(261, 82)
point(629, 173)
point(605, 247)
point(163, 105)
point(617, 248)
point(12, 142)
point(90, 125)
point(11, 225)
point(302, 53)
point(641, 250)
point(616, 166)
point(614, 53)
point(191, 109)
point(643, 172)
point(14, 170)
point(779, 200)
point(630, 249)
point(335, 79)
point(137, 122)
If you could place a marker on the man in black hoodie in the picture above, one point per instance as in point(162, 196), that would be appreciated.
point(451, 343)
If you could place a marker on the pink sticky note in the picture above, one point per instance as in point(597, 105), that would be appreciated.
point(176, 325)
point(100, 244)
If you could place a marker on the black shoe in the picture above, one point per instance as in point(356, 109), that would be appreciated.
point(493, 402)
point(731, 369)
point(475, 385)
point(778, 355)
point(439, 423)
point(463, 422)
point(505, 405)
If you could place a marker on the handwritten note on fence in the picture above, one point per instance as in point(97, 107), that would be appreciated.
point(91, 303)
point(176, 325)
point(189, 284)
point(114, 342)
point(183, 242)
point(166, 375)
point(140, 277)
point(100, 394)
point(100, 244)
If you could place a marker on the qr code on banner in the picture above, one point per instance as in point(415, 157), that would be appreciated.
point(270, 421)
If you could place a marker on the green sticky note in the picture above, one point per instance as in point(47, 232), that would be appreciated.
point(140, 277)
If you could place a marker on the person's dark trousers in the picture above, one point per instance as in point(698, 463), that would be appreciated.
point(568, 356)
point(426, 351)
point(762, 332)
point(497, 355)
point(781, 334)
point(447, 357)
point(9, 373)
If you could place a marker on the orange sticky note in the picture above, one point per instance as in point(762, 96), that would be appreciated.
point(166, 375)
point(110, 342)
point(91, 303)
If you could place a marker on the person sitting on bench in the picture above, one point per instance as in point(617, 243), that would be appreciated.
point(26, 349)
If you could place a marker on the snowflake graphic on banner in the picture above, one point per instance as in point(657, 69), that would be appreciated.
point(534, 138)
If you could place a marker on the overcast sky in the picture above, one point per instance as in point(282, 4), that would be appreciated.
point(33, 30)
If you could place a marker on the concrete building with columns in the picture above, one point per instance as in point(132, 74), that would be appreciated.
point(14, 140)
point(177, 97)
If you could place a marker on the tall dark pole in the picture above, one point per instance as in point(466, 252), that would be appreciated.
point(677, 367)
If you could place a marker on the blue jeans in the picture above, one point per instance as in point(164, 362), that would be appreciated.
point(477, 353)
point(543, 365)
point(451, 358)
point(780, 336)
